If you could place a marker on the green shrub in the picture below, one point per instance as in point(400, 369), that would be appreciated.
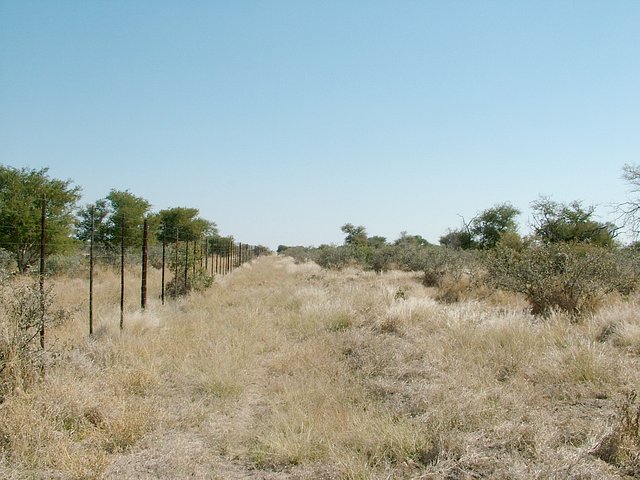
point(155, 256)
point(384, 258)
point(177, 286)
point(300, 254)
point(7, 262)
point(558, 276)
point(66, 264)
point(336, 258)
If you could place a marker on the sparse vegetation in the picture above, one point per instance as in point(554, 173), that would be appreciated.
point(287, 370)
point(490, 355)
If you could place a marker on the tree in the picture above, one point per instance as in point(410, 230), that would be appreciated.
point(630, 210)
point(459, 239)
point(21, 209)
point(415, 240)
point(557, 222)
point(485, 230)
point(491, 224)
point(184, 222)
point(130, 209)
point(356, 236)
point(109, 215)
point(376, 241)
point(100, 211)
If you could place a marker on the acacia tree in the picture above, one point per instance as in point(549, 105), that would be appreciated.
point(459, 239)
point(100, 212)
point(630, 210)
point(356, 236)
point(411, 240)
point(485, 230)
point(185, 222)
point(557, 222)
point(491, 224)
point(21, 210)
point(109, 214)
point(376, 241)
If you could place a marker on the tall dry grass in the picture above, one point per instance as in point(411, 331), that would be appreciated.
point(291, 371)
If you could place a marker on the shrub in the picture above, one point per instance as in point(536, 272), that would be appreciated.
point(384, 258)
point(569, 277)
point(401, 256)
point(177, 286)
point(300, 254)
point(628, 262)
point(21, 357)
point(440, 263)
point(7, 262)
point(66, 264)
point(155, 256)
point(337, 257)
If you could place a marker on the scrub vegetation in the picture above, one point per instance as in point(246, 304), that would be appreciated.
point(285, 370)
point(491, 355)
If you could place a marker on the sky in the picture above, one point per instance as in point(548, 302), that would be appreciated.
point(283, 120)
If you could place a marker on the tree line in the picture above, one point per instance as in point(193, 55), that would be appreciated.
point(553, 222)
point(569, 261)
point(115, 219)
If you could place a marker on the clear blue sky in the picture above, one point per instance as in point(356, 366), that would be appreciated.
point(283, 120)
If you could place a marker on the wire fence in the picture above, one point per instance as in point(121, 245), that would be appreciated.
point(187, 261)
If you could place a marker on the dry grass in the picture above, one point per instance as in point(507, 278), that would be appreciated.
point(290, 371)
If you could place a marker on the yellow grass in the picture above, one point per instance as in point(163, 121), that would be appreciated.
point(288, 371)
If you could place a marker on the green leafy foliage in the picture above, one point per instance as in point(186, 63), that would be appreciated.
point(7, 263)
point(117, 210)
point(485, 230)
point(460, 239)
point(354, 235)
point(406, 239)
point(185, 223)
point(556, 222)
point(336, 258)
point(179, 286)
point(491, 224)
point(21, 193)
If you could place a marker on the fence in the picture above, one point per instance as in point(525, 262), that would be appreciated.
point(188, 262)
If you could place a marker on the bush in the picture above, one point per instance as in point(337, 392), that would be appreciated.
point(628, 263)
point(154, 255)
point(300, 254)
point(21, 357)
point(178, 287)
point(384, 258)
point(66, 264)
point(336, 258)
point(7, 263)
point(560, 276)
point(440, 262)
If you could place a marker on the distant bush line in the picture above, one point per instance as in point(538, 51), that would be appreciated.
point(571, 276)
